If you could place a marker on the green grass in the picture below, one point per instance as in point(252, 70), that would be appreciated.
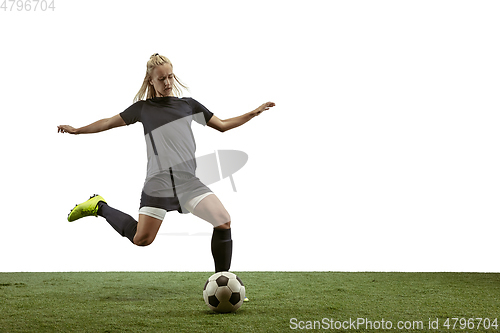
point(172, 302)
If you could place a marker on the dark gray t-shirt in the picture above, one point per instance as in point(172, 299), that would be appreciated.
point(169, 139)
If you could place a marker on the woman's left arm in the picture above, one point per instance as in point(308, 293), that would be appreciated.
point(227, 124)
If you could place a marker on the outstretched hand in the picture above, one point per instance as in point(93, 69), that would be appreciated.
point(264, 107)
point(66, 129)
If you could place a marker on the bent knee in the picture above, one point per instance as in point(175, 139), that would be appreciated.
point(143, 241)
point(223, 218)
point(226, 225)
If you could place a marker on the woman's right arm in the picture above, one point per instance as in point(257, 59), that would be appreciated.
point(98, 126)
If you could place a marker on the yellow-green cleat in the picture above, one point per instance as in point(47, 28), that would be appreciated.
point(87, 208)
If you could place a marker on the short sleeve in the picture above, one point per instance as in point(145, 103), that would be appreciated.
point(133, 113)
point(199, 108)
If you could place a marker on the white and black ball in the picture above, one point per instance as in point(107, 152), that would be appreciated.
point(224, 292)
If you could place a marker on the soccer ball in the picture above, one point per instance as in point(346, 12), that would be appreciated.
point(224, 292)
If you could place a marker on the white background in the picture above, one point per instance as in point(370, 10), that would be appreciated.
point(380, 155)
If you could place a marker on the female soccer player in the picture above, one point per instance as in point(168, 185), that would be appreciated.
point(170, 183)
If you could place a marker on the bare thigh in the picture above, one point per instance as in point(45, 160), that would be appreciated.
point(211, 210)
point(147, 228)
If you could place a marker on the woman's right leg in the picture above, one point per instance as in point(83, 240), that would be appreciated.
point(140, 233)
point(147, 228)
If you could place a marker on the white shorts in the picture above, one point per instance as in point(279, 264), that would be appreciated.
point(159, 213)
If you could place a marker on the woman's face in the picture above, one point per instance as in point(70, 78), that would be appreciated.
point(162, 79)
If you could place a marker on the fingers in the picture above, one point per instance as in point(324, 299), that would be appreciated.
point(266, 106)
point(63, 129)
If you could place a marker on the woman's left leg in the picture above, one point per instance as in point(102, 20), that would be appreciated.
point(211, 210)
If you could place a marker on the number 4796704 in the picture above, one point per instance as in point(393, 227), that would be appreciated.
point(471, 323)
point(27, 5)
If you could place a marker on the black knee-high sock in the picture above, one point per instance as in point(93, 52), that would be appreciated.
point(222, 249)
point(125, 224)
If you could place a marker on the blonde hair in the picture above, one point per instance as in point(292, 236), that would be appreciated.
point(148, 89)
